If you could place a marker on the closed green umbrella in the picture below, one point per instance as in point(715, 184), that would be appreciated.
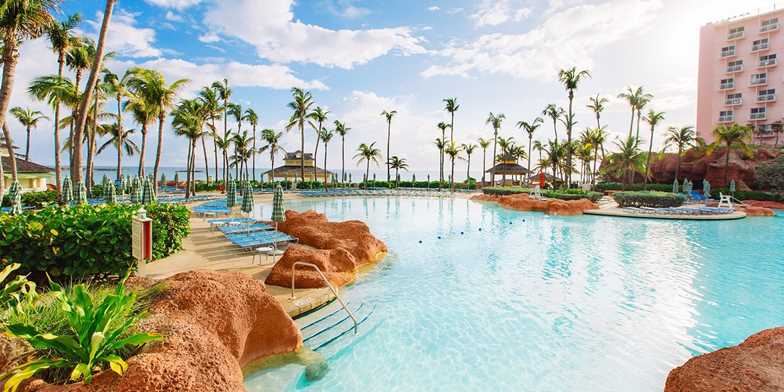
point(732, 186)
point(706, 188)
point(15, 195)
point(67, 193)
point(231, 194)
point(136, 191)
point(109, 194)
point(148, 196)
point(277, 205)
point(247, 199)
point(675, 186)
point(81, 196)
point(163, 180)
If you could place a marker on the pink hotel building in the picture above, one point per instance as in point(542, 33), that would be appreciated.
point(740, 77)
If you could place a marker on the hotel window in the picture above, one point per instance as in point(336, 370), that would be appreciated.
point(758, 113)
point(728, 51)
point(734, 99)
point(726, 116)
point(764, 128)
point(760, 44)
point(768, 95)
point(735, 66)
point(760, 78)
point(769, 25)
point(735, 33)
point(767, 60)
point(727, 83)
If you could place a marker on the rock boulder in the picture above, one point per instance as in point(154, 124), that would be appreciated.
point(521, 202)
point(338, 265)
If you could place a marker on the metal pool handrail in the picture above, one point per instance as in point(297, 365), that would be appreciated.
point(324, 278)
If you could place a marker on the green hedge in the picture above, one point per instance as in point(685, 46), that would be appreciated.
point(86, 241)
point(649, 199)
point(34, 199)
point(617, 186)
point(573, 194)
point(504, 190)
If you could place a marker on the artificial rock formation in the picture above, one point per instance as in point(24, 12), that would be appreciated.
point(338, 248)
point(756, 365)
point(213, 324)
point(696, 166)
point(521, 202)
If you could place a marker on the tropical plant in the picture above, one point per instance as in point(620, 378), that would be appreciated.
point(318, 115)
point(367, 153)
point(441, 144)
point(143, 112)
point(570, 78)
point(388, 115)
point(16, 291)
point(224, 94)
point(253, 120)
point(597, 106)
point(117, 86)
point(495, 120)
point(628, 160)
point(398, 164)
point(453, 151)
point(212, 109)
point(733, 137)
point(443, 127)
point(649, 199)
point(300, 106)
point(341, 129)
point(653, 118)
point(555, 113)
point(326, 136)
point(451, 106)
point(29, 119)
point(242, 153)
point(235, 110)
point(483, 144)
point(272, 139)
point(121, 140)
point(188, 120)
point(636, 98)
point(682, 138)
point(469, 149)
point(530, 129)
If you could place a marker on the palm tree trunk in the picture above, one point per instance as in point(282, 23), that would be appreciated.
point(325, 166)
point(89, 90)
point(143, 149)
point(342, 159)
point(159, 148)
point(468, 170)
point(272, 172)
point(57, 165)
point(389, 136)
point(637, 136)
point(530, 142)
point(206, 159)
point(91, 136)
point(678, 166)
point(315, 153)
point(119, 146)
point(188, 173)
point(727, 164)
point(193, 167)
point(495, 142)
point(555, 129)
point(2, 181)
point(302, 151)
point(367, 173)
point(452, 128)
point(254, 152)
point(648, 163)
point(10, 58)
point(484, 162)
point(452, 176)
point(569, 142)
point(631, 123)
point(120, 136)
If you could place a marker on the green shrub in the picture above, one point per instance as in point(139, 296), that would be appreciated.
point(649, 199)
point(85, 241)
point(504, 190)
point(770, 175)
point(617, 186)
point(573, 194)
point(34, 199)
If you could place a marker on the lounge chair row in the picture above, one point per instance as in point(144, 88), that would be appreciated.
point(375, 192)
point(680, 210)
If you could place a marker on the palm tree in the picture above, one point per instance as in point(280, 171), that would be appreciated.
point(223, 143)
point(440, 143)
point(682, 138)
point(483, 144)
point(506, 145)
point(325, 135)
point(341, 129)
point(641, 103)
point(61, 38)
point(555, 113)
point(570, 78)
point(300, 106)
point(242, 153)
point(636, 99)
point(118, 87)
point(253, 120)
point(469, 149)
point(597, 106)
point(367, 153)
point(235, 110)
point(143, 112)
point(318, 115)
point(538, 146)
point(92, 81)
point(597, 137)
point(121, 140)
point(653, 118)
point(442, 126)
point(451, 106)
point(388, 116)
point(398, 164)
point(224, 94)
point(628, 159)
point(495, 121)
point(188, 120)
point(734, 137)
point(453, 151)
point(78, 60)
point(272, 139)
point(212, 107)
point(20, 20)
point(555, 152)
point(29, 119)
point(530, 128)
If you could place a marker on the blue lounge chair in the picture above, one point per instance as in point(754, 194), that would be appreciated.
point(228, 221)
point(694, 195)
point(259, 238)
point(244, 228)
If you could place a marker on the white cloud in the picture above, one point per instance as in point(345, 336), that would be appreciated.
point(433, 8)
point(124, 37)
point(496, 12)
point(176, 4)
point(174, 17)
point(209, 37)
point(271, 27)
point(569, 37)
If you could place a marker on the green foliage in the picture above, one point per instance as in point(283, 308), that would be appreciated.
point(16, 292)
point(649, 199)
point(770, 175)
point(573, 194)
point(97, 332)
point(34, 199)
point(85, 241)
point(617, 186)
point(504, 190)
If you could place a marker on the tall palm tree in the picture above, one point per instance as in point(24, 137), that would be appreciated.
point(223, 143)
point(341, 129)
point(442, 126)
point(224, 94)
point(121, 141)
point(242, 146)
point(495, 120)
point(188, 120)
point(326, 136)
point(388, 114)
point(734, 137)
point(398, 164)
point(453, 151)
point(117, 87)
point(212, 107)
point(597, 105)
point(506, 145)
point(483, 144)
point(253, 120)
point(530, 129)
point(644, 100)
point(318, 115)
point(55, 91)
point(682, 138)
point(92, 81)
point(469, 149)
point(29, 119)
point(300, 107)
point(272, 139)
point(78, 60)
point(539, 147)
point(628, 159)
point(451, 106)
point(235, 111)
point(143, 112)
point(570, 78)
point(598, 136)
point(367, 153)
point(20, 20)
point(61, 38)
point(653, 118)
point(637, 98)
point(440, 143)
point(555, 113)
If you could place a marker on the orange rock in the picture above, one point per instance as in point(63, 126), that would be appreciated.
point(757, 211)
point(521, 202)
point(757, 365)
point(338, 265)
point(214, 324)
point(767, 204)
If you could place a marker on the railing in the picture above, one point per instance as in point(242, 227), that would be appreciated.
point(735, 35)
point(766, 98)
point(332, 288)
point(734, 101)
point(769, 27)
point(758, 116)
point(727, 86)
point(727, 53)
point(757, 81)
point(767, 62)
point(734, 68)
point(728, 118)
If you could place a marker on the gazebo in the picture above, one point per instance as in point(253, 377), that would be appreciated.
point(292, 171)
point(507, 168)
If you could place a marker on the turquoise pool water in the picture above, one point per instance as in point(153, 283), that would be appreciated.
point(539, 303)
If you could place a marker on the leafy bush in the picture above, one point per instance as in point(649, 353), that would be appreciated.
point(85, 241)
point(17, 291)
point(504, 190)
point(573, 194)
point(617, 186)
point(649, 199)
point(770, 175)
point(34, 199)
point(97, 331)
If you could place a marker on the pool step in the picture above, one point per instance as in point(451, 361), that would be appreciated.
point(330, 324)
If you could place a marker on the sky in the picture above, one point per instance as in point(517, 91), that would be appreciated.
point(360, 57)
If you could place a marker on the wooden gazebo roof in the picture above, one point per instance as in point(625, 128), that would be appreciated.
point(295, 171)
point(508, 168)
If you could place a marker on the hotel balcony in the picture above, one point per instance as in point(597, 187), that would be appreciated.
point(759, 81)
point(767, 63)
point(733, 102)
point(727, 119)
point(735, 36)
point(734, 68)
point(767, 98)
point(760, 47)
point(769, 28)
point(727, 86)
point(758, 116)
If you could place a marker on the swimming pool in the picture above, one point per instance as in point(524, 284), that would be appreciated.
point(516, 301)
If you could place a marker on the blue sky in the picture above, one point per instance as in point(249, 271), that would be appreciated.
point(359, 57)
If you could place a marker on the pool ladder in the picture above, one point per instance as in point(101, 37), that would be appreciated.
point(331, 288)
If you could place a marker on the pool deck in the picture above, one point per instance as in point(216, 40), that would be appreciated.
point(610, 208)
